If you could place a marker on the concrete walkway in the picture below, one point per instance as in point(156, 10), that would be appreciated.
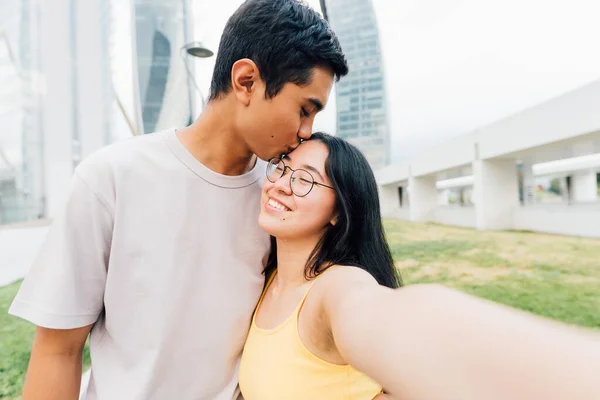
point(19, 245)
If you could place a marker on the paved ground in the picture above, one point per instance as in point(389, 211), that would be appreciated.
point(18, 247)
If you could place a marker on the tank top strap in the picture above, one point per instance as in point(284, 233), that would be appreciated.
point(301, 304)
point(262, 296)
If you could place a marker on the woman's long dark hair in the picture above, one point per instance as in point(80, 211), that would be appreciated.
point(357, 238)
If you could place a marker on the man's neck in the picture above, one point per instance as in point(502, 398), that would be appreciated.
point(213, 140)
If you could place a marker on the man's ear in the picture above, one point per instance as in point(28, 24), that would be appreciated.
point(245, 79)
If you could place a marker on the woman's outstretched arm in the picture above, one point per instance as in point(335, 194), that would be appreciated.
point(430, 342)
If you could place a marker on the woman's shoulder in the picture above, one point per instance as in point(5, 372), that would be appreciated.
point(344, 277)
point(340, 286)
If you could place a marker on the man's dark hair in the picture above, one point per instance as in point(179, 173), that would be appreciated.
point(285, 38)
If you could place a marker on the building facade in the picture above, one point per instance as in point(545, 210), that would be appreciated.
point(77, 75)
point(21, 151)
point(162, 28)
point(360, 97)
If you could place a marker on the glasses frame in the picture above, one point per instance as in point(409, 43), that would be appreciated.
point(285, 168)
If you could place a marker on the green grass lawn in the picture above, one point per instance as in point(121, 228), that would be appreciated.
point(15, 341)
point(553, 276)
point(16, 336)
point(557, 277)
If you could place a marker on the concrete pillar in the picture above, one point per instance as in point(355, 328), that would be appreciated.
point(444, 197)
point(496, 193)
point(388, 198)
point(423, 197)
point(528, 184)
point(92, 77)
point(57, 101)
point(123, 66)
point(77, 96)
point(566, 188)
point(584, 187)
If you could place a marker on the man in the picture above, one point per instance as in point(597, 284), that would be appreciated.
point(158, 253)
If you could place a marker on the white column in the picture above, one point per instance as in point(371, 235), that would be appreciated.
point(124, 71)
point(57, 101)
point(388, 198)
point(444, 197)
point(528, 183)
point(496, 193)
point(92, 76)
point(566, 188)
point(584, 187)
point(423, 197)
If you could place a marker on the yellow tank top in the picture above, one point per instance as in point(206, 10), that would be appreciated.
point(276, 365)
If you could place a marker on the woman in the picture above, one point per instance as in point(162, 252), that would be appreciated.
point(331, 326)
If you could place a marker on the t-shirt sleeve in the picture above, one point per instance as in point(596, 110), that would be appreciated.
point(64, 288)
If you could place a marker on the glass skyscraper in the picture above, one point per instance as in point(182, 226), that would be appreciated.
point(360, 96)
point(21, 175)
point(110, 69)
point(162, 28)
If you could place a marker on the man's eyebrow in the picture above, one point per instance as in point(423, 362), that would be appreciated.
point(317, 103)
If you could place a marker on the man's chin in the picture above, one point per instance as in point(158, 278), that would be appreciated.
point(264, 158)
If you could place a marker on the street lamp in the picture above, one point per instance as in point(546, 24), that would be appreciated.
point(129, 121)
point(324, 9)
point(197, 49)
point(194, 49)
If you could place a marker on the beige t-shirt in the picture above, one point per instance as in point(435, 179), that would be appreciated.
point(165, 256)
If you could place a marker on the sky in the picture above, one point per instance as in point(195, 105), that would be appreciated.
point(453, 66)
point(210, 19)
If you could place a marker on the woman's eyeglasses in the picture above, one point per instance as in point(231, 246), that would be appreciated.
point(301, 181)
